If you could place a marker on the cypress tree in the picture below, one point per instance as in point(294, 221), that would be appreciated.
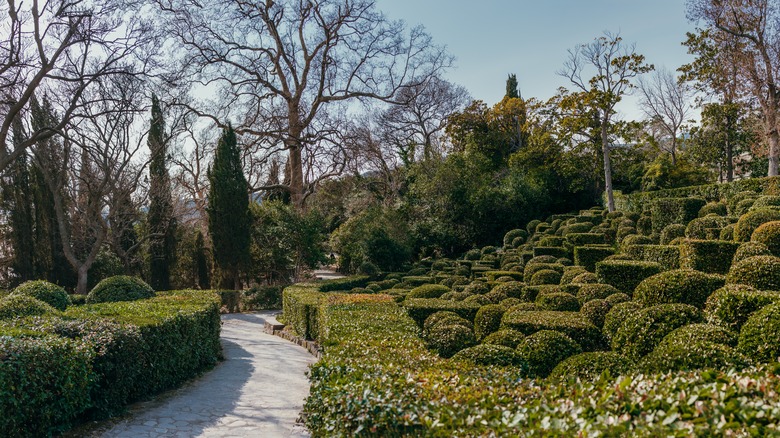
point(161, 223)
point(201, 262)
point(16, 191)
point(511, 86)
point(228, 211)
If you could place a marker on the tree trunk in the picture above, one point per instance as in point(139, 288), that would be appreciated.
point(607, 167)
point(81, 284)
point(774, 147)
point(296, 177)
point(729, 150)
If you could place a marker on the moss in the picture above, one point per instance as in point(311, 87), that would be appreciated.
point(641, 332)
point(731, 305)
point(590, 366)
point(759, 335)
point(488, 320)
point(49, 293)
point(761, 272)
point(560, 301)
point(751, 220)
point(678, 286)
point(545, 349)
point(625, 275)
point(507, 338)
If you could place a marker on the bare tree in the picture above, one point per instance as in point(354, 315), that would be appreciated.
point(286, 69)
point(613, 66)
point(62, 48)
point(756, 25)
point(666, 103)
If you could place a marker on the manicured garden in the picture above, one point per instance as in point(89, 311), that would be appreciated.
point(661, 319)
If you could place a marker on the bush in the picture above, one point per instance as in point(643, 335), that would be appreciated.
point(507, 338)
point(636, 239)
point(576, 228)
point(545, 349)
point(706, 227)
point(701, 333)
point(761, 272)
point(512, 289)
point(645, 225)
point(570, 272)
point(666, 211)
point(49, 293)
point(409, 280)
point(712, 256)
point(477, 288)
point(496, 296)
point(595, 291)
point(489, 354)
point(545, 276)
point(731, 305)
point(585, 278)
point(419, 309)
point(617, 298)
point(119, 288)
point(572, 324)
point(511, 237)
point(590, 366)
point(480, 300)
point(531, 268)
point(19, 306)
point(671, 232)
point(678, 286)
point(582, 239)
point(531, 226)
point(768, 234)
point(767, 201)
point(560, 301)
point(677, 356)
point(588, 256)
point(751, 220)
point(596, 311)
point(616, 316)
point(744, 206)
point(444, 317)
point(641, 332)
point(759, 335)
point(718, 208)
point(750, 249)
point(450, 339)
point(727, 233)
point(488, 320)
point(428, 291)
point(625, 275)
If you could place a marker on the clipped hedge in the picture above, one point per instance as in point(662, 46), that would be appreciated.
point(768, 234)
point(448, 339)
point(588, 292)
point(750, 249)
point(574, 325)
point(731, 305)
point(684, 286)
point(591, 365)
point(751, 220)
point(641, 331)
point(616, 316)
point(49, 293)
point(596, 311)
point(668, 256)
point(119, 288)
point(712, 256)
point(625, 275)
point(489, 354)
point(588, 256)
point(667, 211)
point(428, 291)
point(421, 308)
point(679, 356)
point(760, 272)
point(560, 301)
point(545, 349)
point(507, 338)
point(759, 335)
point(300, 303)
point(488, 320)
point(17, 306)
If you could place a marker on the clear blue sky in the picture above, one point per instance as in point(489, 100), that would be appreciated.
point(530, 38)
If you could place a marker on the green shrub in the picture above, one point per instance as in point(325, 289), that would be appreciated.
point(678, 286)
point(759, 335)
point(481, 300)
point(444, 317)
point(705, 227)
point(767, 201)
point(542, 259)
point(509, 302)
point(585, 278)
point(718, 208)
point(590, 366)
point(489, 354)
point(666, 211)
point(415, 280)
point(19, 306)
point(572, 324)
point(495, 275)
point(488, 320)
point(49, 293)
point(532, 268)
point(624, 232)
point(731, 305)
point(507, 338)
point(744, 206)
point(727, 233)
point(635, 239)
point(751, 220)
point(616, 316)
point(428, 291)
point(511, 237)
point(301, 309)
point(347, 283)
point(576, 228)
point(595, 291)
point(677, 356)
point(477, 288)
point(472, 254)
point(712, 256)
point(449, 339)
point(768, 234)
point(570, 272)
point(545, 349)
point(119, 288)
point(582, 239)
point(512, 289)
point(641, 331)
point(496, 296)
point(701, 333)
point(545, 276)
point(625, 275)
point(551, 241)
point(419, 309)
point(588, 256)
point(596, 311)
point(644, 225)
point(560, 301)
point(750, 249)
point(531, 226)
point(761, 272)
point(553, 251)
point(735, 199)
point(671, 232)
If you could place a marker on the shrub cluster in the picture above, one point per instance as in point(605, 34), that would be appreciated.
point(625, 275)
point(641, 332)
point(731, 305)
point(712, 256)
point(759, 335)
point(760, 272)
point(119, 288)
point(18, 306)
point(488, 320)
point(588, 256)
point(678, 286)
point(751, 220)
point(490, 354)
point(560, 301)
point(545, 349)
point(428, 291)
point(590, 366)
point(49, 293)
point(506, 337)
point(573, 324)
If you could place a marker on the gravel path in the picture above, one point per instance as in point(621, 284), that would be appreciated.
point(258, 391)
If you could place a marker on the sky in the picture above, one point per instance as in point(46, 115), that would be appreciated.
point(530, 38)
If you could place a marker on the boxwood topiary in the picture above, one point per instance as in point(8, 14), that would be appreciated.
point(542, 259)
point(49, 293)
point(718, 208)
point(585, 278)
point(636, 239)
point(759, 335)
point(616, 316)
point(488, 320)
point(727, 233)
point(512, 289)
point(496, 296)
point(596, 311)
point(768, 234)
point(701, 333)
point(590, 366)
point(744, 206)
point(671, 232)
point(644, 225)
point(419, 309)
point(13, 306)
point(731, 305)
point(676, 356)
point(530, 307)
point(666, 211)
point(570, 272)
point(490, 354)
point(767, 201)
point(532, 268)
point(428, 291)
point(641, 332)
point(750, 249)
point(531, 226)
point(480, 300)
point(506, 337)
point(573, 324)
point(712, 256)
point(617, 298)
point(545, 349)
point(595, 291)
point(445, 317)
point(761, 272)
point(678, 286)
point(704, 227)
point(545, 276)
point(511, 236)
point(120, 288)
point(751, 220)
point(560, 301)
point(625, 275)
point(477, 287)
point(449, 339)
point(509, 302)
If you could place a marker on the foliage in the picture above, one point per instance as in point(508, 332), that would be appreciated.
point(377, 235)
point(731, 305)
point(505, 337)
point(560, 301)
point(711, 256)
point(488, 320)
point(19, 306)
point(643, 330)
point(678, 286)
point(596, 311)
point(588, 256)
point(590, 366)
point(428, 291)
point(572, 324)
point(545, 349)
point(625, 275)
point(751, 220)
point(761, 272)
point(759, 334)
point(667, 211)
point(490, 354)
point(768, 234)
point(120, 288)
point(49, 293)
point(448, 339)
point(662, 174)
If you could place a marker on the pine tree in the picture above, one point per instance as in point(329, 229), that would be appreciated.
point(161, 223)
point(511, 86)
point(228, 211)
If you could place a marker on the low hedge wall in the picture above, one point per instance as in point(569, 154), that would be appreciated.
point(711, 256)
point(92, 360)
point(421, 308)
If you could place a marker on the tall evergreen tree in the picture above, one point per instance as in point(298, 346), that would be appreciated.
point(228, 212)
point(16, 190)
point(511, 86)
point(162, 224)
point(202, 262)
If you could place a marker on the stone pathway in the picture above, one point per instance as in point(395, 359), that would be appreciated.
point(258, 391)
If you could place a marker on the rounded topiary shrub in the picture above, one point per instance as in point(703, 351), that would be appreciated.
point(595, 291)
point(570, 273)
point(545, 349)
point(531, 226)
point(506, 337)
point(512, 235)
point(482, 300)
point(731, 305)
point(428, 291)
point(542, 259)
point(616, 316)
point(585, 278)
point(678, 356)
point(768, 201)
point(671, 232)
point(448, 339)
point(635, 239)
point(643, 330)
point(509, 302)
point(545, 276)
point(573, 324)
point(490, 354)
point(751, 220)
point(727, 233)
point(477, 288)
point(768, 234)
point(488, 320)
point(512, 289)
point(617, 298)
point(749, 249)
point(760, 272)
point(20, 306)
point(625, 275)
point(49, 293)
point(759, 336)
point(560, 301)
point(678, 286)
point(523, 307)
point(705, 227)
point(596, 311)
point(590, 366)
point(119, 288)
point(445, 317)
point(718, 208)
point(701, 333)
point(496, 296)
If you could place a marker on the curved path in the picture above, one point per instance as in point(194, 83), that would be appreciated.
point(258, 391)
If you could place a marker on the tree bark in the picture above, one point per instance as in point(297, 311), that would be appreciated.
point(607, 167)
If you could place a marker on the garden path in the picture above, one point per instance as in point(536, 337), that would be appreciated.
point(258, 391)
